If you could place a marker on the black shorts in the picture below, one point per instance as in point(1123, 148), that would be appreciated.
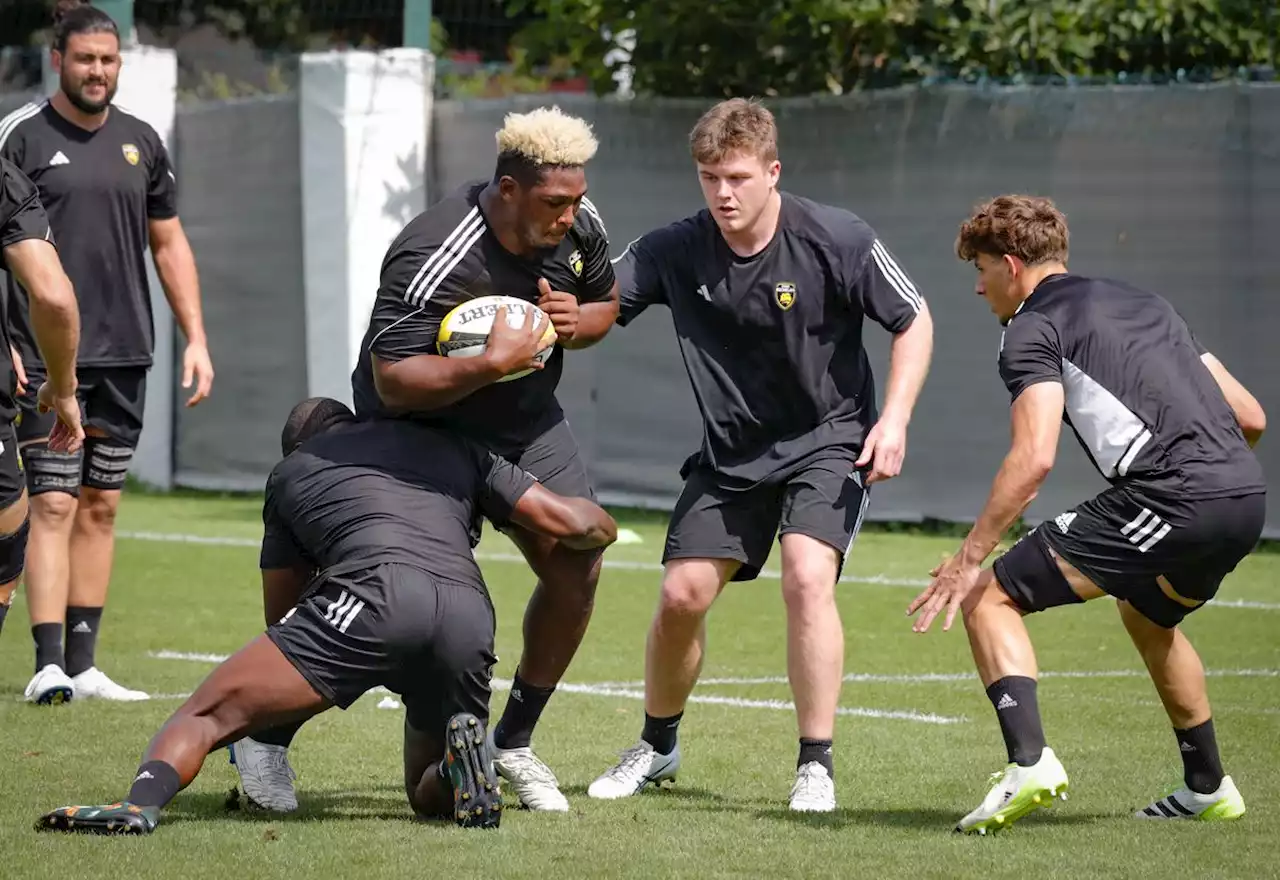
point(12, 480)
point(555, 461)
point(112, 400)
point(1124, 539)
point(825, 500)
point(394, 625)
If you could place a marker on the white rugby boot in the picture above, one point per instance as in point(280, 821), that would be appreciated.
point(1220, 806)
point(814, 790)
point(50, 687)
point(265, 774)
point(637, 767)
point(94, 684)
point(1017, 791)
point(532, 780)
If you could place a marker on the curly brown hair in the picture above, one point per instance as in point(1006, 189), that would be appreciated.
point(1030, 228)
point(734, 126)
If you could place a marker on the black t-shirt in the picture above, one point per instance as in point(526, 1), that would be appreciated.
point(100, 188)
point(22, 217)
point(386, 490)
point(1140, 401)
point(448, 255)
point(773, 342)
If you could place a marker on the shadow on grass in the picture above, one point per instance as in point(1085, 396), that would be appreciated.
point(914, 818)
point(668, 795)
point(387, 804)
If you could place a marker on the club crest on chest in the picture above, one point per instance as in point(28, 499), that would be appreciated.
point(784, 294)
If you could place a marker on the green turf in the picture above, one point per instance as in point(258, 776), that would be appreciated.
point(901, 784)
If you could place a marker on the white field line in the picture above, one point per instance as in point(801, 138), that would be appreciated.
point(877, 580)
point(629, 693)
point(936, 677)
point(618, 564)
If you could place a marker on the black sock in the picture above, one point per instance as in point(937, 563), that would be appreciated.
point(816, 750)
point(155, 785)
point(280, 735)
point(4, 611)
point(82, 638)
point(48, 638)
point(1201, 764)
point(1019, 715)
point(661, 732)
point(524, 708)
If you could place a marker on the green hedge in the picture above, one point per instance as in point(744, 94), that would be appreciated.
point(712, 48)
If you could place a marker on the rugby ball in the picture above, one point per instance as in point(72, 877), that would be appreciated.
point(464, 332)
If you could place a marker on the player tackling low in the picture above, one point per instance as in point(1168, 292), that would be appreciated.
point(373, 520)
point(1170, 429)
point(768, 293)
point(529, 232)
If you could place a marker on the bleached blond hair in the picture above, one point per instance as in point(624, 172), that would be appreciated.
point(546, 136)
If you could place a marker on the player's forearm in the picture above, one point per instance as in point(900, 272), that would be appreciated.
point(909, 360)
point(428, 381)
point(55, 315)
point(1016, 485)
point(176, 266)
point(590, 526)
point(594, 322)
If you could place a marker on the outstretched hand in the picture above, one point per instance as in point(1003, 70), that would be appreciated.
point(953, 581)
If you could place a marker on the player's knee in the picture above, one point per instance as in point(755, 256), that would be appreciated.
point(106, 463)
point(97, 509)
point(53, 510)
point(988, 594)
point(809, 578)
point(688, 590)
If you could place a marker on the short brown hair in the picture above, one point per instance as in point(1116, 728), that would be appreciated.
point(738, 125)
point(1030, 228)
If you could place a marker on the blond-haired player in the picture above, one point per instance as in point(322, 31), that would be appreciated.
point(528, 232)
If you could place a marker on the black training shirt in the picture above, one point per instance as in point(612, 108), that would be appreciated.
point(1140, 401)
point(386, 490)
point(100, 188)
point(773, 342)
point(448, 255)
point(22, 217)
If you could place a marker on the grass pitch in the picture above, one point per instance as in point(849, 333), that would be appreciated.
point(914, 745)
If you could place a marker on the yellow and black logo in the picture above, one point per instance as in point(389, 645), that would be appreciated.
point(131, 154)
point(575, 262)
point(784, 293)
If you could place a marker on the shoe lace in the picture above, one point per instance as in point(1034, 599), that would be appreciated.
point(631, 762)
point(811, 781)
point(276, 768)
point(531, 769)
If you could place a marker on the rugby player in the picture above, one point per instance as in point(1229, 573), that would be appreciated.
point(28, 254)
point(1170, 429)
point(374, 517)
point(768, 292)
point(528, 232)
point(109, 188)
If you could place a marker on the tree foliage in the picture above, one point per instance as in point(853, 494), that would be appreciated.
point(712, 48)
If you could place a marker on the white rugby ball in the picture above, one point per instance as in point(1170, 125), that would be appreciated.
point(464, 332)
